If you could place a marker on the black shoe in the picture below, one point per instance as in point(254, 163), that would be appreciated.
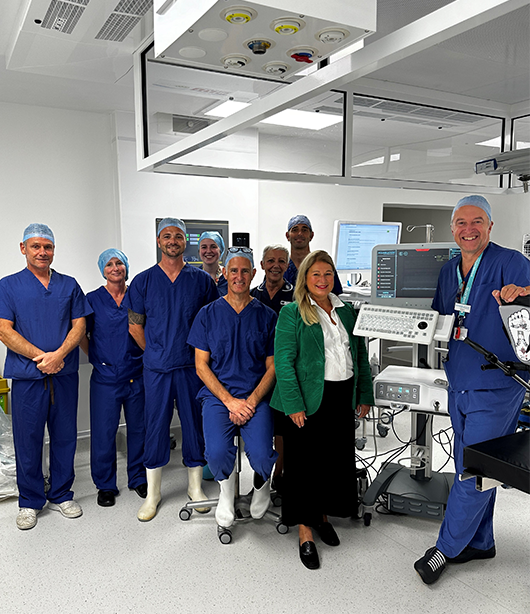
point(141, 490)
point(327, 534)
point(469, 554)
point(309, 555)
point(106, 498)
point(431, 565)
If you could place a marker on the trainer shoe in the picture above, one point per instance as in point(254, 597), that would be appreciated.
point(431, 565)
point(26, 518)
point(69, 509)
point(470, 554)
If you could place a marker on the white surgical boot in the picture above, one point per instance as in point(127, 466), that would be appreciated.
point(261, 499)
point(195, 492)
point(225, 510)
point(152, 501)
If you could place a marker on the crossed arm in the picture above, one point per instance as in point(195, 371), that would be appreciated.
point(240, 410)
point(47, 362)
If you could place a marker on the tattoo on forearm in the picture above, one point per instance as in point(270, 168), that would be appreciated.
point(136, 318)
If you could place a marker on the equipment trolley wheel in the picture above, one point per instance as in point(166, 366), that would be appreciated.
point(276, 499)
point(382, 430)
point(367, 517)
point(360, 442)
point(282, 528)
point(185, 514)
point(224, 534)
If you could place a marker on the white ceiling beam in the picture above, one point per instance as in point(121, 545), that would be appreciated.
point(443, 24)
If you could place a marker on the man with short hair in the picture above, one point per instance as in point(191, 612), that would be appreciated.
point(233, 339)
point(42, 321)
point(482, 404)
point(274, 291)
point(299, 234)
point(162, 303)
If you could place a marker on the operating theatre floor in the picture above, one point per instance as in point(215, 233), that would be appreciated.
point(109, 562)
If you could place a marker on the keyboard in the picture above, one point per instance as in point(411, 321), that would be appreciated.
point(396, 323)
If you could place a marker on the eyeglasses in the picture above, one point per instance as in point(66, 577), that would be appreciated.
point(237, 250)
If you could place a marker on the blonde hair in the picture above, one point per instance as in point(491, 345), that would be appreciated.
point(301, 293)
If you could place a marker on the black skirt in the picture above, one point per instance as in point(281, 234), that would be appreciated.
point(319, 460)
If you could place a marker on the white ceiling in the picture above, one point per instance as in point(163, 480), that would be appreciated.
point(488, 63)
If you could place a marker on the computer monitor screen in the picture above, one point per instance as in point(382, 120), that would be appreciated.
point(407, 275)
point(353, 243)
point(194, 229)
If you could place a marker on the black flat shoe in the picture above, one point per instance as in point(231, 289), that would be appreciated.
point(141, 490)
point(471, 554)
point(327, 534)
point(106, 498)
point(309, 555)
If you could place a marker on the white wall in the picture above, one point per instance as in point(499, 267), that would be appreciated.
point(57, 167)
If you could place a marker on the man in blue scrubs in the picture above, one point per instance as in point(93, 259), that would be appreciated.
point(234, 354)
point(163, 302)
point(42, 320)
point(116, 382)
point(482, 404)
point(299, 234)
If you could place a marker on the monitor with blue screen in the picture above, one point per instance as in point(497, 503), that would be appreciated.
point(353, 243)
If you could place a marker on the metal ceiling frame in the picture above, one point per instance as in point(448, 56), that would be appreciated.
point(443, 24)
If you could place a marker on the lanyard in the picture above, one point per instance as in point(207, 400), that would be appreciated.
point(464, 297)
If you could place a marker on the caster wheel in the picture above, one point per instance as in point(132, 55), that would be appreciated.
point(360, 443)
point(276, 500)
point(357, 424)
point(382, 430)
point(224, 535)
point(185, 514)
point(367, 519)
point(282, 528)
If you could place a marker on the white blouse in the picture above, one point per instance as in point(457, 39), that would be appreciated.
point(338, 360)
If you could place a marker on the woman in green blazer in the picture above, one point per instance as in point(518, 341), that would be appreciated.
point(323, 379)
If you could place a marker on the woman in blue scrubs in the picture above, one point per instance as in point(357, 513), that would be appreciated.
point(116, 382)
point(211, 250)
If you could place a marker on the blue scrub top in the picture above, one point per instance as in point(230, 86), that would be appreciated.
point(284, 296)
point(169, 309)
point(239, 344)
point(292, 273)
point(222, 286)
point(499, 267)
point(43, 316)
point(112, 351)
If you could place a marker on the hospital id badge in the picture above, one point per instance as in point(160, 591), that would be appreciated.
point(463, 307)
point(460, 333)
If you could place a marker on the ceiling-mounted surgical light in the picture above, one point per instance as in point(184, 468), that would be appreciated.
point(332, 36)
point(287, 26)
point(238, 15)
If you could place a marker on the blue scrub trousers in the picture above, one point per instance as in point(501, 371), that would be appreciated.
point(161, 390)
point(219, 433)
point(106, 401)
point(33, 408)
point(476, 416)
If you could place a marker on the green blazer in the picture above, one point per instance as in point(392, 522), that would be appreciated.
point(299, 362)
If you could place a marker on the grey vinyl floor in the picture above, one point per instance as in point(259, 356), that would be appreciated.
point(109, 562)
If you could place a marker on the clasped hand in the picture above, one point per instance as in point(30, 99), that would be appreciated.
point(49, 363)
point(241, 411)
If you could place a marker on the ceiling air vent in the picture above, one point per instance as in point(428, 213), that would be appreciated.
point(63, 16)
point(122, 20)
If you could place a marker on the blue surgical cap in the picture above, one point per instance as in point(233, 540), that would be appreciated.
point(239, 254)
point(38, 230)
point(170, 221)
point(299, 219)
point(214, 236)
point(475, 201)
point(104, 258)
